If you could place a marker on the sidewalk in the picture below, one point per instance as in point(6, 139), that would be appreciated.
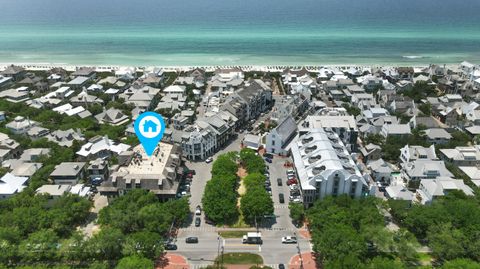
point(308, 261)
point(172, 261)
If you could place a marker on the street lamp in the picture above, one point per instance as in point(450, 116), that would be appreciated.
point(218, 252)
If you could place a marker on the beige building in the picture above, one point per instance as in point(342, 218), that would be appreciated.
point(157, 173)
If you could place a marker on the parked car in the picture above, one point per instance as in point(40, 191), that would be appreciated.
point(209, 160)
point(279, 182)
point(268, 155)
point(198, 210)
point(291, 182)
point(191, 240)
point(268, 188)
point(281, 198)
point(289, 240)
point(97, 181)
point(197, 222)
point(268, 160)
point(293, 187)
point(170, 246)
point(297, 200)
point(281, 266)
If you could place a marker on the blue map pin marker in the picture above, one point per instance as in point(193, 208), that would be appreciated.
point(149, 128)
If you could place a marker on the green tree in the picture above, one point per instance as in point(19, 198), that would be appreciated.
point(461, 264)
point(255, 203)
point(106, 245)
point(134, 262)
point(384, 263)
point(39, 246)
point(446, 242)
point(145, 244)
point(297, 212)
point(426, 109)
point(252, 161)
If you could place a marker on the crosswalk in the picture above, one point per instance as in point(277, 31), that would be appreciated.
point(204, 265)
point(199, 266)
point(214, 229)
point(280, 206)
point(199, 229)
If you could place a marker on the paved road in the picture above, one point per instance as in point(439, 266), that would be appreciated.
point(210, 244)
point(203, 174)
point(272, 250)
point(277, 170)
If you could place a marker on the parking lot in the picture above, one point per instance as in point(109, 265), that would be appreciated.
point(277, 170)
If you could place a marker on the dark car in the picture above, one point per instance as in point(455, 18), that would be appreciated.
point(191, 240)
point(268, 155)
point(281, 198)
point(279, 182)
point(170, 246)
point(197, 222)
point(268, 160)
point(281, 266)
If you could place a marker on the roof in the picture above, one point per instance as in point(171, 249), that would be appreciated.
point(112, 116)
point(68, 169)
point(53, 190)
point(396, 129)
point(98, 144)
point(319, 153)
point(428, 122)
point(424, 168)
point(473, 129)
point(399, 192)
point(286, 128)
point(78, 81)
point(437, 133)
point(10, 184)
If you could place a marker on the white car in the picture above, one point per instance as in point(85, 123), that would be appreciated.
point(209, 160)
point(289, 240)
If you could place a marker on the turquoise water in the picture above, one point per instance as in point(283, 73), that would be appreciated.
point(234, 32)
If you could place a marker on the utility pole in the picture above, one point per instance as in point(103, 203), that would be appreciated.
point(299, 252)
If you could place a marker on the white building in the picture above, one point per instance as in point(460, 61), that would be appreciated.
point(101, 147)
point(20, 125)
point(324, 167)
point(10, 185)
point(278, 138)
point(342, 124)
point(432, 188)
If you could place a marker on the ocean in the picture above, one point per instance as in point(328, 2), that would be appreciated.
point(239, 32)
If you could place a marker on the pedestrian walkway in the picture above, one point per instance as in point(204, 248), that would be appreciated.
point(199, 266)
point(199, 229)
point(172, 261)
point(305, 261)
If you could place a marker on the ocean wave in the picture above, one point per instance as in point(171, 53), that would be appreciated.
point(413, 57)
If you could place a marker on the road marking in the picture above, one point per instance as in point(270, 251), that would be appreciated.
point(259, 248)
point(241, 245)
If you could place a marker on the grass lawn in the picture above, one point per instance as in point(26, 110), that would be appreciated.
point(232, 234)
point(241, 258)
point(240, 223)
